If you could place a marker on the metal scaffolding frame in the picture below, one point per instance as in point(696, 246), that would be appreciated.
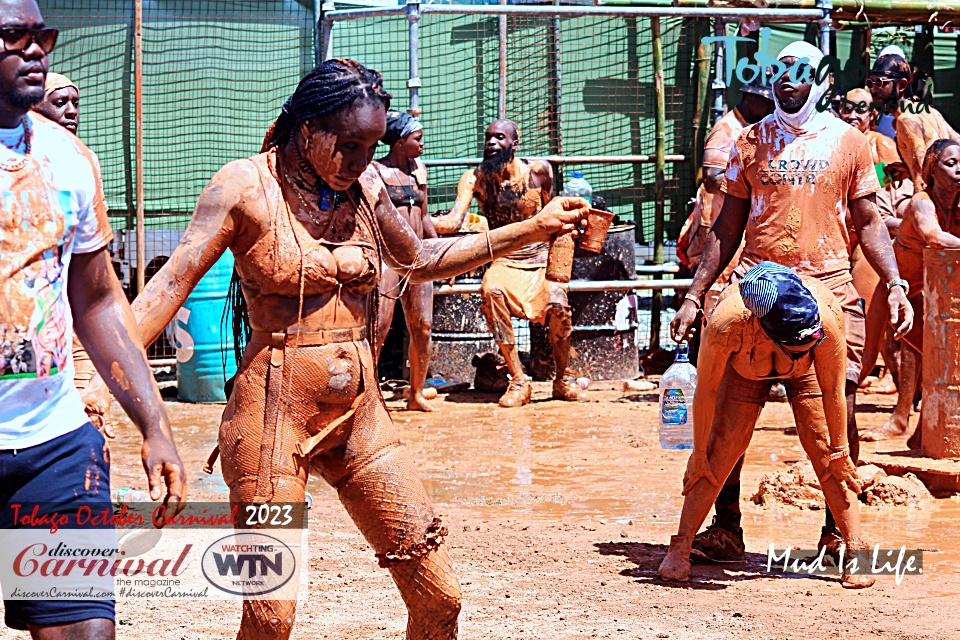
point(328, 15)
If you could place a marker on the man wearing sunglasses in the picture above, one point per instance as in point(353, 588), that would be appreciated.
point(773, 326)
point(917, 124)
point(56, 277)
point(792, 180)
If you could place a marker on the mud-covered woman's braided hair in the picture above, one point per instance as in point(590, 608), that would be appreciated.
point(330, 88)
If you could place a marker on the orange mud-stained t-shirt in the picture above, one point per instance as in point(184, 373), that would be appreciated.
point(800, 188)
point(918, 126)
point(716, 155)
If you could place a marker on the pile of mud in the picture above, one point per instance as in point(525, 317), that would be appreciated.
point(897, 491)
point(798, 486)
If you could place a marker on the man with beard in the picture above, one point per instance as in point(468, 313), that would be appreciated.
point(510, 189)
point(791, 180)
point(917, 123)
point(56, 276)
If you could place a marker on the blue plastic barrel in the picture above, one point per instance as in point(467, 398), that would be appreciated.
point(204, 343)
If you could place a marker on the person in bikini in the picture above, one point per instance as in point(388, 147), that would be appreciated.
point(510, 189)
point(310, 222)
point(405, 178)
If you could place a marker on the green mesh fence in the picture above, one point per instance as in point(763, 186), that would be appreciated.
point(603, 103)
point(600, 103)
point(215, 74)
point(214, 77)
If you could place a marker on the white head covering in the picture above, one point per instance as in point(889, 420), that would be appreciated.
point(807, 119)
point(892, 50)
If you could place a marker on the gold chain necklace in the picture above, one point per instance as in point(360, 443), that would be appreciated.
point(303, 201)
point(21, 161)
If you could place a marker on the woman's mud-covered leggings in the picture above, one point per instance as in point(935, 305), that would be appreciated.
point(362, 459)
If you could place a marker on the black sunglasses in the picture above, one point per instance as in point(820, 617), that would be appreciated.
point(20, 38)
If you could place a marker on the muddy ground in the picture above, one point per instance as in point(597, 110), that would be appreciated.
point(559, 515)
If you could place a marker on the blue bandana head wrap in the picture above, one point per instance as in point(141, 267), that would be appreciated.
point(786, 310)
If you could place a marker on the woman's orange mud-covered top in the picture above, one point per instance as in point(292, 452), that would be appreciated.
point(800, 188)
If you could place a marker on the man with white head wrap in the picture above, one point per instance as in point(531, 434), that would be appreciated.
point(791, 181)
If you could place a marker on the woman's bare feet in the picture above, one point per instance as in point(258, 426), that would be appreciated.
point(895, 427)
point(676, 565)
point(417, 402)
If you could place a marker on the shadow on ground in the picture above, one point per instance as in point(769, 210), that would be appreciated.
point(704, 576)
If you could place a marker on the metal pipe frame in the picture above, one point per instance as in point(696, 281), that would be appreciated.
point(326, 9)
point(414, 83)
point(826, 25)
point(719, 84)
point(502, 50)
point(584, 286)
point(138, 142)
point(628, 159)
point(765, 15)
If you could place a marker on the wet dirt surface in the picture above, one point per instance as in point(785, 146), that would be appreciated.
point(559, 516)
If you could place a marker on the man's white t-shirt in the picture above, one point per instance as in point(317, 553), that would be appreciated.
point(52, 207)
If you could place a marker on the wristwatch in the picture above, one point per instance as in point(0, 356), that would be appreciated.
point(899, 282)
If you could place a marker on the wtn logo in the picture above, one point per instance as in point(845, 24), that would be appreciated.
point(252, 564)
point(258, 564)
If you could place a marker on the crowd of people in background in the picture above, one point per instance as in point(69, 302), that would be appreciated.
point(846, 206)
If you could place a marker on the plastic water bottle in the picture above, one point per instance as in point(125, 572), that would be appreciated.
point(677, 388)
point(578, 186)
point(126, 495)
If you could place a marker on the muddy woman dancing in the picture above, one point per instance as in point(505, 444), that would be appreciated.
point(309, 223)
point(405, 177)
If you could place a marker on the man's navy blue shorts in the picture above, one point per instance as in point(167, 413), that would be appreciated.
point(71, 469)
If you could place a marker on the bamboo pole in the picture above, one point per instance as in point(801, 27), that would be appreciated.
point(701, 77)
point(660, 170)
point(138, 140)
point(502, 50)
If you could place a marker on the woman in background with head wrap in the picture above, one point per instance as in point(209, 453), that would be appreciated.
point(405, 176)
point(62, 102)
